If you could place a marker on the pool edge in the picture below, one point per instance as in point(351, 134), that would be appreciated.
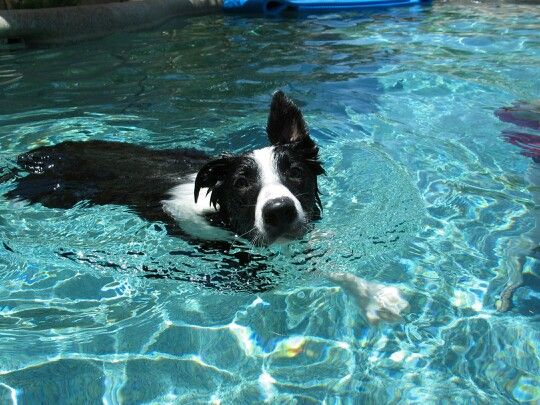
point(79, 23)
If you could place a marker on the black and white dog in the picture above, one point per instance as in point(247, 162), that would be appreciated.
point(265, 196)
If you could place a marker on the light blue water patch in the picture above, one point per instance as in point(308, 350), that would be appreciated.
point(421, 192)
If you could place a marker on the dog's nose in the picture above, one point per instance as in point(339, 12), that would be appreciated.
point(278, 214)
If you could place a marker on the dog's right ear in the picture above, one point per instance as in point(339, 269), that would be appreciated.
point(212, 176)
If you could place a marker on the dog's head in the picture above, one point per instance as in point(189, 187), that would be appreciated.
point(271, 193)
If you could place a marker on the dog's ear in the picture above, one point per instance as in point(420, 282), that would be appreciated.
point(285, 122)
point(212, 176)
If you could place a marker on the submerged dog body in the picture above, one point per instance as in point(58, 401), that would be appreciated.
point(264, 196)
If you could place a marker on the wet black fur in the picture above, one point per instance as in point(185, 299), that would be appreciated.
point(100, 172)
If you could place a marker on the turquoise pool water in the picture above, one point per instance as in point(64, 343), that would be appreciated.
point(421, 192)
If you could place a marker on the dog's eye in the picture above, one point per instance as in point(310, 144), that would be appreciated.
point(241, 182)
point(296, 172)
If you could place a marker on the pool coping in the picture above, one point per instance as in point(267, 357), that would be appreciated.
point(77, 23)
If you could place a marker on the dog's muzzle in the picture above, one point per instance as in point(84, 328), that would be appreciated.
point(280, 216)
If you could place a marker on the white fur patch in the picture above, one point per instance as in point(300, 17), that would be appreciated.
point(190, 215)
point(271, 186)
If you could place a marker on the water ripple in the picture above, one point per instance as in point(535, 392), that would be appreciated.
point(422, 191)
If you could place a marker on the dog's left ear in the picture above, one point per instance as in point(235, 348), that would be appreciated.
point(212, 176)
point(285, 122)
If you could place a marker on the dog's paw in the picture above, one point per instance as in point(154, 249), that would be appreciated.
point(385, 304)
point(377, 302)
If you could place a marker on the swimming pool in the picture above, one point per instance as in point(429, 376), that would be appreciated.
point(421, 191)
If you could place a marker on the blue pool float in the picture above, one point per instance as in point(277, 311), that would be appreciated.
point(275, 7)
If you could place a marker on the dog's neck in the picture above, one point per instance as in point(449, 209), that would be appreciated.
point(193, 216)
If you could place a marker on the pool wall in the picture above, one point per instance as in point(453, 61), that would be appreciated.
point(70, 24)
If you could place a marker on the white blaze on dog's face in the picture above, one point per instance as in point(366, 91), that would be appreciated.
point(271, 193)
point(278, 213)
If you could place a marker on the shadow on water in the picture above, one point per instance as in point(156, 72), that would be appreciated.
point(234, 269)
